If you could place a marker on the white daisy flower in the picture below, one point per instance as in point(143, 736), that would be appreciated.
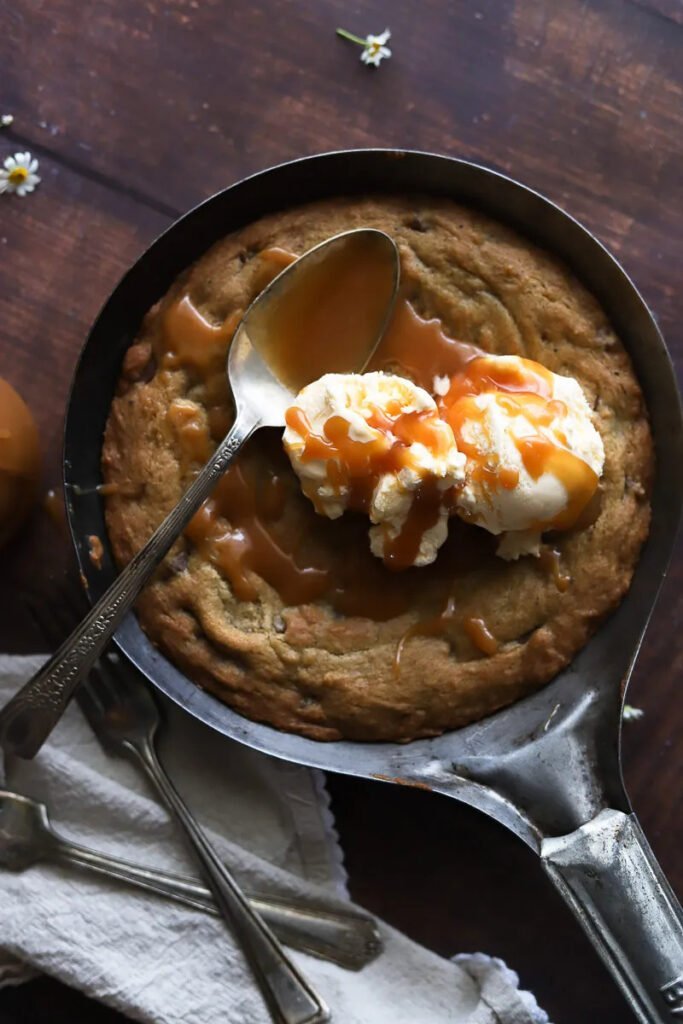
point(6, 120)
point(18, 174)
point(631, 714)
point(374, 47)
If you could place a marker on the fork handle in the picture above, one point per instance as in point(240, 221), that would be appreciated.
point(30, 716)
point(289, 996)
point(348, 939)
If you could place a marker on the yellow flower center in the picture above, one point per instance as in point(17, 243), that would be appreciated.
point(17, 176)
point(374, 49)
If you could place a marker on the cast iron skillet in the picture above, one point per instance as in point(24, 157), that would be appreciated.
point(548, 767)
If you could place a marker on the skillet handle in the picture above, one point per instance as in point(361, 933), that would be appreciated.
point(610, 878)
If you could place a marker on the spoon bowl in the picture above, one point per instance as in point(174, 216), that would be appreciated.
point(25, 837)
point(325, 313)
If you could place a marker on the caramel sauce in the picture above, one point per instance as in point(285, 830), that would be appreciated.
point(105, 490)
point(236, 529)
point(361, 463)
point(481, 636)
point(435, 626)
point(420, 349)
point(550, 561)
point(192, 341)
point(400, 552)
point(191, 429)
point(577, 477)
point(523, 377)
point(245, 528)
point(257, 525)
point(327, 326)
point(357, 466)
point(522, 389)
point(95, 550)
point(271, 262)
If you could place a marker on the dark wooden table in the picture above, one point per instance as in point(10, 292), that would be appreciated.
point(139, 110)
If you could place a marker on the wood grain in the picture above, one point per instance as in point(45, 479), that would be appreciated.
point(138, 110)
point(578, 99)
point(65, 248)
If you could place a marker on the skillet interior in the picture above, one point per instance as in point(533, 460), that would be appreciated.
point(607, 658)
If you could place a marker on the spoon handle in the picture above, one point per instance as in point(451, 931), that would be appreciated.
point(288, 995)
point(30, 716)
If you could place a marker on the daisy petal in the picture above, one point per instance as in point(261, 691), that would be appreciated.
point(33, 166)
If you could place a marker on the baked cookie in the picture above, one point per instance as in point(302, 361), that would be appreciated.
point(287, 616)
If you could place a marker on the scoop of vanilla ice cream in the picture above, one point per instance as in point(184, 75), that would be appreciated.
point(357, 398)
point(392, 500)
point(494, 429)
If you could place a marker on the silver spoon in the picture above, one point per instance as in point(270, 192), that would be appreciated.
point(263, 384)
point(27, 837)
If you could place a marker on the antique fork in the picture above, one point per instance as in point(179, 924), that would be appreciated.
point(124, 715)
point(27, 837)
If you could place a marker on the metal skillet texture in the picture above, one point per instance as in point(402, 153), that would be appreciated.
point(547, 767)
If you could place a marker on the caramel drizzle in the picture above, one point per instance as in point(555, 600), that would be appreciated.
point(420, 349)
point(550, 560)
point(481, 636)
point(435, 626)
point(327, 326)
point(247, 544)
point(95, 550)
point(522, 389)
point(244, 528)
point(357, 466)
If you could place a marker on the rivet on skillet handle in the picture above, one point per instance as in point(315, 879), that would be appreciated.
point(608, 875)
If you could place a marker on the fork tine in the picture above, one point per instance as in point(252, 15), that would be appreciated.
point(90, 704)
point(130, 686)
point(105, 685)
point(124, 677)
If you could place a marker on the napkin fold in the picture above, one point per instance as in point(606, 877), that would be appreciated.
point(162, 963)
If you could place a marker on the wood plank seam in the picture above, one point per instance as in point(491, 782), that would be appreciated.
point(42, 151)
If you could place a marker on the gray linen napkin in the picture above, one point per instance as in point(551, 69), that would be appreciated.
point(161, 963)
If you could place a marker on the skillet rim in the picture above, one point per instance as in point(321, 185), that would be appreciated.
point(665, 417)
